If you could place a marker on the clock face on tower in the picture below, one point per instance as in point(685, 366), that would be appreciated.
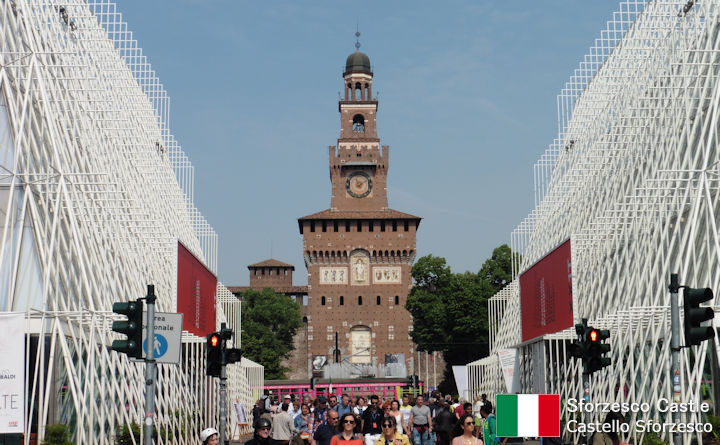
point(358, 184)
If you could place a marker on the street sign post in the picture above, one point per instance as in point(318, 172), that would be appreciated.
point(168, 333)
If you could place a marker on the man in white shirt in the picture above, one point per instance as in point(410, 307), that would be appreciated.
point(405, 410)
point(283, 427)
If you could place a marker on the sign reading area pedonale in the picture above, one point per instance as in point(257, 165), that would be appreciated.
point(168, 331)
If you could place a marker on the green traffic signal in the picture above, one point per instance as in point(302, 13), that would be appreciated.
point(132, 328)
point(694, 315)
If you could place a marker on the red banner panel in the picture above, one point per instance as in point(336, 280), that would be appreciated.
point(546, 294)
point(196, 294)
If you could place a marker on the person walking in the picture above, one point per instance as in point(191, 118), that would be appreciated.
point(390, 434)
point(210, 436)
point(489, 424)
point(333, 402)
point(291, 409)
point(344, 406)
point(371, 421)
point(396, 414)
point(465, 431)
point(349, 429)
point(303, 423)
point(479, 401)
point(283, 427)
point(611, 437)
point(405, 410)
point(443, 423)
point(321, 410)
point(327, 429)
point(360, 406)
point(421, 422)
point(261, 436)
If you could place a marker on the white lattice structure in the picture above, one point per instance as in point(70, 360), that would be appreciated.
point(95, 193)
point(632, 180)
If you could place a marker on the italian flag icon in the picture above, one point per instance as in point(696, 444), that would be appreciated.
point(528, 415)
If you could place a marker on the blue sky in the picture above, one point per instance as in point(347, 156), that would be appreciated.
point(467, 93)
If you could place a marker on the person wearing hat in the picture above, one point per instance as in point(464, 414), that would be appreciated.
point(210, 436)
point(291, 408)
point(261, 436)
point(321, 410)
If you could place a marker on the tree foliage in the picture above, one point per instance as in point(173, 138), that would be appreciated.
point(269, 323)
point(450, 309)
point(57, 434)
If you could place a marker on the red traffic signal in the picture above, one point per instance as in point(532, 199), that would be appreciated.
point(214, 354)
point(593, 335)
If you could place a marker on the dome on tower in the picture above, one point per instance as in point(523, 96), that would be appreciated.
point(358, 62)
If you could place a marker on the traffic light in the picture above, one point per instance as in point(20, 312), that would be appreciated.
point(695, 315)
point(596, 349)
point(215, 345)
point(413, 381)
point(578, 348)
point(132, 328)
point(232, 355)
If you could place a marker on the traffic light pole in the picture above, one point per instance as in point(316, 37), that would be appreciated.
point(675, 342)
point(223, 403)
point(586, 397)
point(150, 366)
point(226, 335)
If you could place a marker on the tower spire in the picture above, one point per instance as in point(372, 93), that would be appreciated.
point(357, 38)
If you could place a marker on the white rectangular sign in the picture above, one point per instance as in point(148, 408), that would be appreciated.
point(168, 331)
point(12, 372)
point(509, 365)
point(240, 414)
point(460, 374)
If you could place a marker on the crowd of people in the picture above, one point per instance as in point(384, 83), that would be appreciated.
point(416, 420)
point(373, 421)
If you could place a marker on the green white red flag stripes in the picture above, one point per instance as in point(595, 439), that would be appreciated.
point(528, 415)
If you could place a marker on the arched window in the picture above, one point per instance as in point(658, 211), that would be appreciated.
point(378, 300)
point(358, 125)
point(342, 300)
point(322, 301)
point(360, 300)
point(397, 299)
point(358, 91)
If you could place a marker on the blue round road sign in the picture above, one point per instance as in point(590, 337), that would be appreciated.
point(160, 346)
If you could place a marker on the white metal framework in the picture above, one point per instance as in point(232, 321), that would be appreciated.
point(95, 193)
point(632, 180)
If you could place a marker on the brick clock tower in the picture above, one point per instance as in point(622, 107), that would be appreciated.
point(359, 252)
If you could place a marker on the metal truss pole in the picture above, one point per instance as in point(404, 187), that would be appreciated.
point(150, 365)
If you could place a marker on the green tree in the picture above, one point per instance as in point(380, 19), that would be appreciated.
point(269, 323)
point(57, 434)
point(450, 309)
point(497, 269)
